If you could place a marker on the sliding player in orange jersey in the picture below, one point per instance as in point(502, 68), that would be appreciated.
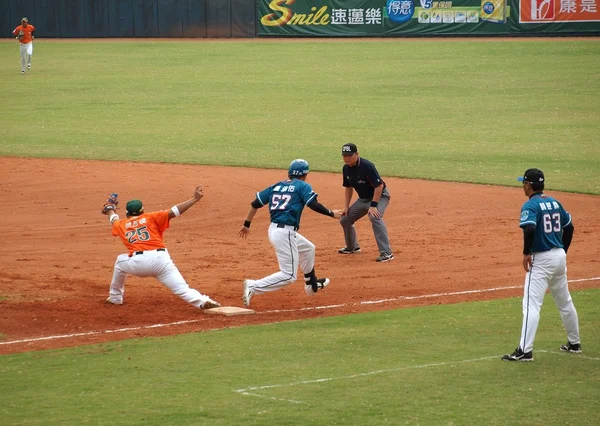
point(142, 234)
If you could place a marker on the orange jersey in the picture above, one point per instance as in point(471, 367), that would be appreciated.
point(27, 37)
point(144, 232)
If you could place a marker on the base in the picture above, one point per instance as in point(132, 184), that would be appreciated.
point(229, 311)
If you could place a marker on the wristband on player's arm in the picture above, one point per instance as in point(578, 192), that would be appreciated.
point(374, 203)
point(246, 224)
point(528, 238)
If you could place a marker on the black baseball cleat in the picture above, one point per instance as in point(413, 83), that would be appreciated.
point(519, 355)
point(346, 250)
point(574, 348)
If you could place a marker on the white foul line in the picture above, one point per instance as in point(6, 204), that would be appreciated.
point(246, 392)
point(313, 308)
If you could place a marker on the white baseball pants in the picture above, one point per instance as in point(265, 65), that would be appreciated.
point(26, 54)
point(549, 270)
point(153, 263)
point(292, 250)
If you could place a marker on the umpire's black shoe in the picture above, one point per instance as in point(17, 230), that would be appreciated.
point(519, 355)
point(385, 257)
point(346, 250)
point(574, 348)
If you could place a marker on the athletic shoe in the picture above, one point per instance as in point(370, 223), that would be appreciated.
point(28, 67)
point(346, 250)
point(209, 304)
point(113, 302)
point(22, 72)
point(385, 257)
point(248, 293)
point(574, 348)
point(321, 284)
point(519, 355)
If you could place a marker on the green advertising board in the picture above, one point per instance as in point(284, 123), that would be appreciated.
point(413, 17)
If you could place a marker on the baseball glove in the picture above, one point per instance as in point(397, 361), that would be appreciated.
point(20, 35)
point(111, 203)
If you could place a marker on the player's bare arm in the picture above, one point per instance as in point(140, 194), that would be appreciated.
point(181, 208)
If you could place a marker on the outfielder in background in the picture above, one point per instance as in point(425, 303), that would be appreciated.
point(142, 234)
point(547, 233)
point(286, 200)
point(24, 34)
point(373, 198)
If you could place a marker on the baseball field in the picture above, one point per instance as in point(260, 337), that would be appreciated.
point(449, 123)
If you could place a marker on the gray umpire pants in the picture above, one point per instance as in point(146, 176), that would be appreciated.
point(359, 209)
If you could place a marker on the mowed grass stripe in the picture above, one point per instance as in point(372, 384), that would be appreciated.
point(444, 110)
point(421, 357)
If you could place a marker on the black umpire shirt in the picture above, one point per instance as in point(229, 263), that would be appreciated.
point(363, 177)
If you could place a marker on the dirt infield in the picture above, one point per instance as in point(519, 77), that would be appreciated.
point(58, 253)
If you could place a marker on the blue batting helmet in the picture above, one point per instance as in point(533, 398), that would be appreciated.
point(298, 167)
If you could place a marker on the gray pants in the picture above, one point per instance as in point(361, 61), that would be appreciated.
point(359, 209)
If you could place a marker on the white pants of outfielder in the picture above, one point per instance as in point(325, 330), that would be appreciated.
point(156, 264)
point(292, 250)
point(26, 54)
point(549, 270)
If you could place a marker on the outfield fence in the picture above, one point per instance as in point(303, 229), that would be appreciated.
point(300, 18)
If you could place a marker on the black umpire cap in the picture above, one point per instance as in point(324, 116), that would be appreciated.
point(532, 176)
point(349, 149)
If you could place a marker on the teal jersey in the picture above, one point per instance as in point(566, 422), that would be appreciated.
point(286, 200)
point(549, 218)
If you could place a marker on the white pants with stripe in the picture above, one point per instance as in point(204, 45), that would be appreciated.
point(549, 270)
point(26, 54)
point(292, 250)
point(157, 264)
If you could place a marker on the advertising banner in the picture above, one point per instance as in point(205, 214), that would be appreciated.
point(381, 17)
point(549, 11)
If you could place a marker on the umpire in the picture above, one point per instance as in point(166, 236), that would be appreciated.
point(373, 198)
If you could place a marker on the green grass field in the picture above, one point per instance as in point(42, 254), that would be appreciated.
point(478, 112)
point(446, 110)
point(433, 365)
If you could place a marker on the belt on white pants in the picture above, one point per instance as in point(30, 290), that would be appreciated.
point(284, 226)
point(142, 252)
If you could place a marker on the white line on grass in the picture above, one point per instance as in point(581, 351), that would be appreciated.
point(313, 308)
point(246, 392)
point(574, 355)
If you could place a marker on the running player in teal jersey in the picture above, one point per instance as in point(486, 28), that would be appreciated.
point(547, 233)
point(286, 200)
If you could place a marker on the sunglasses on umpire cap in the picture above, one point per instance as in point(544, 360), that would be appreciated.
point(532, 176)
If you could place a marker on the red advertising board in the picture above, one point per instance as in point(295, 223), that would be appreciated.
point(546, 11)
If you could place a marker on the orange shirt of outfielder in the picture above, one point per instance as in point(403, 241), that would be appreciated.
point(27, 37)
point(143, 232)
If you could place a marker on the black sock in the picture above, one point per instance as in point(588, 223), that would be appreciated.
point(311, 279)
